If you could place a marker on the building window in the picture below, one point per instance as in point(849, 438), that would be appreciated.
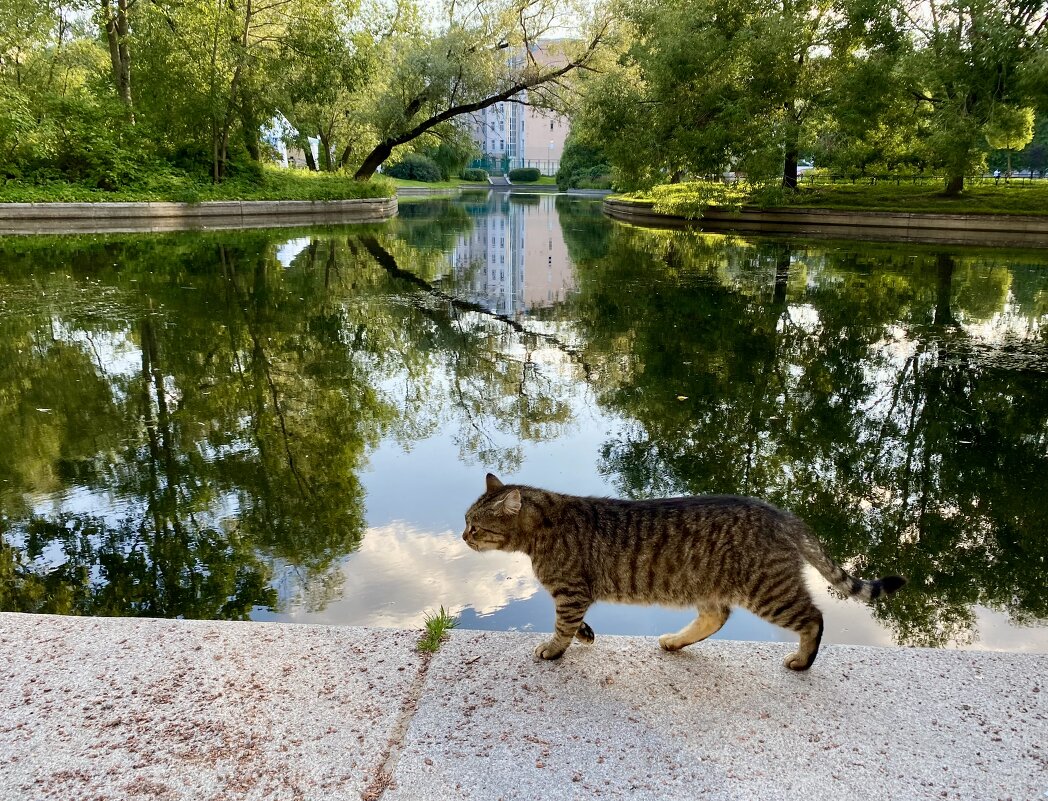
point(551, 125)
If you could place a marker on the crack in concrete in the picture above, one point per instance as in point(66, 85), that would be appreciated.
point(382, 779)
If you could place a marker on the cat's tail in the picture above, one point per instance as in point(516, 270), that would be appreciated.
point(840, 578)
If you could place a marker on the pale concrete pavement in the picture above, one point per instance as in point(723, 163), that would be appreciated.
point(121, 708)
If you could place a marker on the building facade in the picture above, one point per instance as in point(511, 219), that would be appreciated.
point(510, 134)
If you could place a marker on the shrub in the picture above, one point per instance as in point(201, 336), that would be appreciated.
point(415, 167)
point(583, 166)
point(524, 175)
point(475, 174)
point(690, 200)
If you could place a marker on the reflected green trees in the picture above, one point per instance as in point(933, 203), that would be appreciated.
point(218, 406)
point(896, 400)
point(185, 419)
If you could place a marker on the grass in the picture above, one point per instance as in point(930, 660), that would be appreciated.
point(276, 184)
point(456, 183)
point(979, 198)
point(689, 199)
point(438, 625)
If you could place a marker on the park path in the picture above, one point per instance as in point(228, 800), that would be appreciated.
point(116, 708)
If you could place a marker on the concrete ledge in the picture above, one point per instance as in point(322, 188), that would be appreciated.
point(30, 218)
point(122, 708)
point(965, 229)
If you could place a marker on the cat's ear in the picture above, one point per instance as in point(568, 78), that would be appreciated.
point(511, 503)
point(493, 482)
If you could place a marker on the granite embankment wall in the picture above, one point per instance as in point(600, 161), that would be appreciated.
point(888, 226)
point(33, 218)
point(117, 708)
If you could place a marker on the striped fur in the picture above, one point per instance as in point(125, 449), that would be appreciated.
point(712, 552)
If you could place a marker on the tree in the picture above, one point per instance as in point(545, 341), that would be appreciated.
point(327, 64)
point(483, 55)
point(971, 62)
point(712, 85)
point(1011, 129)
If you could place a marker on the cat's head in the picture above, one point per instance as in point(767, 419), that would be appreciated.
point(493, 521)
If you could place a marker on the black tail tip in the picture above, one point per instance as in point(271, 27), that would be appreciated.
point(892, 583)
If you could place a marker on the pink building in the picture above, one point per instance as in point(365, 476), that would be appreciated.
point(512, 135)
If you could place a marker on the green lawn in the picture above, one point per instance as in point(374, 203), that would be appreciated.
point(688, 200)
point(276, 184)
point(980, 198)
point(455, 183)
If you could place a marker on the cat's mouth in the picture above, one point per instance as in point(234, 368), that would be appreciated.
point(478, 544)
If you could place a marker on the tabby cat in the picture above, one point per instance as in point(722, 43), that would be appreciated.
point(710, 551)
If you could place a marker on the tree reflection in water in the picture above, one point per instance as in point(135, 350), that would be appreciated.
point(894, 397)
point(186, 418)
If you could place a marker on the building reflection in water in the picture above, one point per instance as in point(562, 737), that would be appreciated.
point(514, 260)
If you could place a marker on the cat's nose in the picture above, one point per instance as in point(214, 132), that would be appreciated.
point(465, 535)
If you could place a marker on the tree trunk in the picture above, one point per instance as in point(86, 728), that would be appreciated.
point(324, 152)
point(116, 29)
point(307, 151)
point(344, 158)
point(374, 160)
point(249, 122)
point(955, 184)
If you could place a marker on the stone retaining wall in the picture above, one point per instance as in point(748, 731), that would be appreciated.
point(965, 229)
point(30, 218)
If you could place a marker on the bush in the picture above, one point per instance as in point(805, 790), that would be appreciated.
point(415, 167)
point(583, 167)
point(525, 175)
point(475, 174)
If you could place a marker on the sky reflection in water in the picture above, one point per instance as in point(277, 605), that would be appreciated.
point(290, 425)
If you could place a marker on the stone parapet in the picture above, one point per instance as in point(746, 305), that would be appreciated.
point(32, 218)
point(121, 708)
point(887, 226)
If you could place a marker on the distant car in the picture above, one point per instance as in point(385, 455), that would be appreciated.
point(804, 166)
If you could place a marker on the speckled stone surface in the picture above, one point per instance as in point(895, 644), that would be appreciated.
point(724, 720)
point(94, 708)
point(108, 708)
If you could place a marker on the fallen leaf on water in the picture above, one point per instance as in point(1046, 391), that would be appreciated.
point(682, 397)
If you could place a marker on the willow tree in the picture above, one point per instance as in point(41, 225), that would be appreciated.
point(482, 54)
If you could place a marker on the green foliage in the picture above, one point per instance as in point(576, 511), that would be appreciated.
point(274, 184)
point(415, 167)
point(690, 200)
point(524, 175)
point(583, 166)
point(475, 174)
point(438, 624)
point(455, 150)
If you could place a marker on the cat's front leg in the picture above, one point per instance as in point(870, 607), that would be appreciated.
point(571, 609)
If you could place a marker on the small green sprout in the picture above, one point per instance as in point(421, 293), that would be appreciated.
point(437, 627)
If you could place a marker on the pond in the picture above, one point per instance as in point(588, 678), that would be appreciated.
point(289, 424)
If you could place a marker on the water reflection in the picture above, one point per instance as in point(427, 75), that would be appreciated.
point(257, 425)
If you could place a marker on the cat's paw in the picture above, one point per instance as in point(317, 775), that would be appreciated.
point(796, 662)
point(669, 642)
point(549, 650)
point(585, 634)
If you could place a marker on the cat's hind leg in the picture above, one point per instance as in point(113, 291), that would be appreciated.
point(585, 634)
point(711, 618)
point(796, 612)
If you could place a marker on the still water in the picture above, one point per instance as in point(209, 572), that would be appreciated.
point(289, 425)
